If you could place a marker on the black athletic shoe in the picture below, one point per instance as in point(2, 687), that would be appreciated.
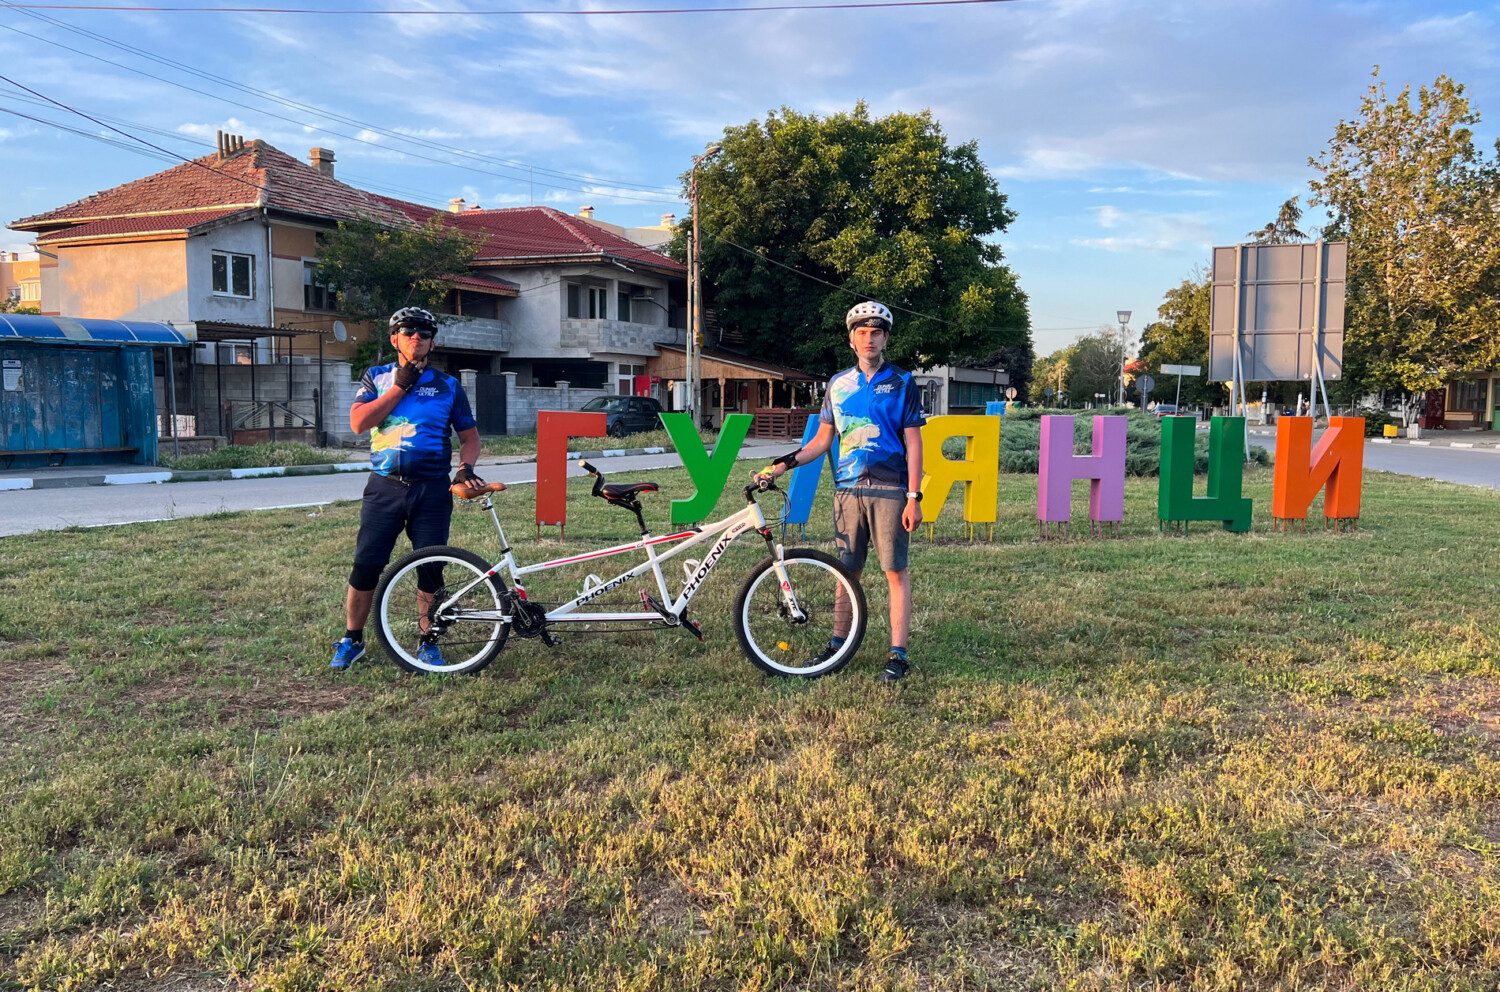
point(895, 670)
point(828, 652)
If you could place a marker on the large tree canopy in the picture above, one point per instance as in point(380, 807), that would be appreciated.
point(1416, 201)
point(883, 208)
point(1179, 336)
point(377, 270)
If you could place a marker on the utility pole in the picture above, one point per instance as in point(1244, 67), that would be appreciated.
point(695, 293)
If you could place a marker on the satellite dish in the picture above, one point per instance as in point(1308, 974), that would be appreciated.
point(340, 332)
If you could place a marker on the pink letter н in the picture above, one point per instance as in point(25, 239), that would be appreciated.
point(1105, 469)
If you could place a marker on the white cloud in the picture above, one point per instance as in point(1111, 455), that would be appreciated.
point(1143, 230)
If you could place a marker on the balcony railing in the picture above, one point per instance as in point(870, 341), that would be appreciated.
point(473, 333)
point(617, 337)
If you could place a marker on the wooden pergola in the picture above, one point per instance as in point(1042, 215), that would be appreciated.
point(775, 394)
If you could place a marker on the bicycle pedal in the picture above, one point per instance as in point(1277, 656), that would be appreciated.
point(692, 627)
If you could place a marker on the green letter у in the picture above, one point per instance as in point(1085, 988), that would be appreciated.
point(709, 474)
point(1226, 473)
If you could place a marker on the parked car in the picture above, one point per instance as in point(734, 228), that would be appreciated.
point(1165, 410)
point(626, 414)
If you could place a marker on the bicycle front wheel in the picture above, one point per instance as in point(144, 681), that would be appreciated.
point(436, 612)
point(785, 629)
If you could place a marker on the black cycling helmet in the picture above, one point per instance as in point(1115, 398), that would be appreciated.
point(415, 318)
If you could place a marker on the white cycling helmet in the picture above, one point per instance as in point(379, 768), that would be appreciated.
point(867, 313)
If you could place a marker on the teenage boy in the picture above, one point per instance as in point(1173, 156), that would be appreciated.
point(874, 412)
point(409, 410)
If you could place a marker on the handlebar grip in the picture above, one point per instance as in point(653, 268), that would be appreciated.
point(591, 470)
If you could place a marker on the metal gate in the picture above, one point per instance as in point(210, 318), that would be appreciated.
point(489, 403)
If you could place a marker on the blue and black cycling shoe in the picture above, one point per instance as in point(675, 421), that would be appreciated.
point(896, 668)
point(430, 654)
point(346, 653)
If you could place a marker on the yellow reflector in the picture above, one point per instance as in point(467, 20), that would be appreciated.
point(783, 645)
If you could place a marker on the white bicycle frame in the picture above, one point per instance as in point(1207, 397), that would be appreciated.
point(750, 518)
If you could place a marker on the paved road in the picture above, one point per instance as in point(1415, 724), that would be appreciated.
point(25, 511)
point(1469, 466)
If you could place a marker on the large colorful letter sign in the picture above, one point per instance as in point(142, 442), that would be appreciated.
point(709, 474)
point(1105, 469)
point(1226, 473)
point(979, 471)
point(553, 428)
point(805, 478)
point(1337, 462)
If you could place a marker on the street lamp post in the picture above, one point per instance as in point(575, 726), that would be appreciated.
point(695, 294)
point(1123, 316)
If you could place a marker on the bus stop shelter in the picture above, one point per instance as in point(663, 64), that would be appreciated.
point(79, 391)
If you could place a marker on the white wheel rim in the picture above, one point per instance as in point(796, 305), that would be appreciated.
point(856, 616)
point(401, 649)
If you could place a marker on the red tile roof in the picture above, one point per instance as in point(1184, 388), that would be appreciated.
point(498, 287)
point(257, 176)
point(175, 222)
point(512, 234)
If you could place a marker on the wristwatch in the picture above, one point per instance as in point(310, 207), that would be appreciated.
point(915, 496)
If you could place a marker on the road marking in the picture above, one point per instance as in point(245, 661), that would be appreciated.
point(137, 478)
point(1421, 442)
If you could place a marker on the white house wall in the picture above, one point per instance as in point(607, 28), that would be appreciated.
point(248, 238)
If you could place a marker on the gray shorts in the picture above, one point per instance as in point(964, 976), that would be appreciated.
point(863, 516)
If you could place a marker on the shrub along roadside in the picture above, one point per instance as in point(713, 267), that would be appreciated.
point(269, 455)
point(1021, 438)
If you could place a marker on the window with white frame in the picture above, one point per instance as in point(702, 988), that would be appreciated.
point(15, 294)
point(625, 378)
point(31, 292)
point(233, 274)
point(598, 303)
point(315, 292)
point(575, 300)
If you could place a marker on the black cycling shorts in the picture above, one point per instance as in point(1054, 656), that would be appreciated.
point(422, 509)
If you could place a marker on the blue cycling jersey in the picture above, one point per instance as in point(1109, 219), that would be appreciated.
point(413, 441)
point(870, 416)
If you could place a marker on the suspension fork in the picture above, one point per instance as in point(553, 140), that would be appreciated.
point(778, 565)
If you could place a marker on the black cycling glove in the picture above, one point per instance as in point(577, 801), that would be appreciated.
point(407, 376)
point(465, 474)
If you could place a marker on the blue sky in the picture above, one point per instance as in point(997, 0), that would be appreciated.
point(1131, 136)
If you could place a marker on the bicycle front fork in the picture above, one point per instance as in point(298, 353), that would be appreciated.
point(778, 563)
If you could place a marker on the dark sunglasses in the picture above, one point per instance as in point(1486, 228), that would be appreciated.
point(420, 332)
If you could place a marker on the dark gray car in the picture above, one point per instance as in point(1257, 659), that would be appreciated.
point(626, 414)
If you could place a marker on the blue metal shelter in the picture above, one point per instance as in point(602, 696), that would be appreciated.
point(80, 391)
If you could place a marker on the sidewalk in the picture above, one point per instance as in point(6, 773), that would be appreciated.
point(69, 477)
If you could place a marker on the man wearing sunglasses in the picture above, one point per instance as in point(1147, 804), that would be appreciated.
point(409, 410)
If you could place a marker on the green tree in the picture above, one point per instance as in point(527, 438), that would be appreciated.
point(377, 270)
point(1094, 366)
point(1406, 187)
point(1283, 230)
point(1179, 336)
point(884, 208)
point(1051, 373)
point(9, 305)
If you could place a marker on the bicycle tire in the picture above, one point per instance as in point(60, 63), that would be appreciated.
point(449, 556)
point(744, 605)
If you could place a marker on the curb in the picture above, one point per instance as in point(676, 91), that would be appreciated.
point(223, 474)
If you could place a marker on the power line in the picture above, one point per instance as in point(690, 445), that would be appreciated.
point(730, 9)
point(127, 134)
point(305, 124)
point(521, 167)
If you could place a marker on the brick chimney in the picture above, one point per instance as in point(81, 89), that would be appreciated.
point(456, 205)
point(587, 213)
point(322, 160)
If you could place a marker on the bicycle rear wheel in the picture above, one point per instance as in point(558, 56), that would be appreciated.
point(424, 636)
point(794, 641)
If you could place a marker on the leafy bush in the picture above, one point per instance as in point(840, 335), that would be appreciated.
point(275, 453)
point(1376, 421)
point(1021, 438)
